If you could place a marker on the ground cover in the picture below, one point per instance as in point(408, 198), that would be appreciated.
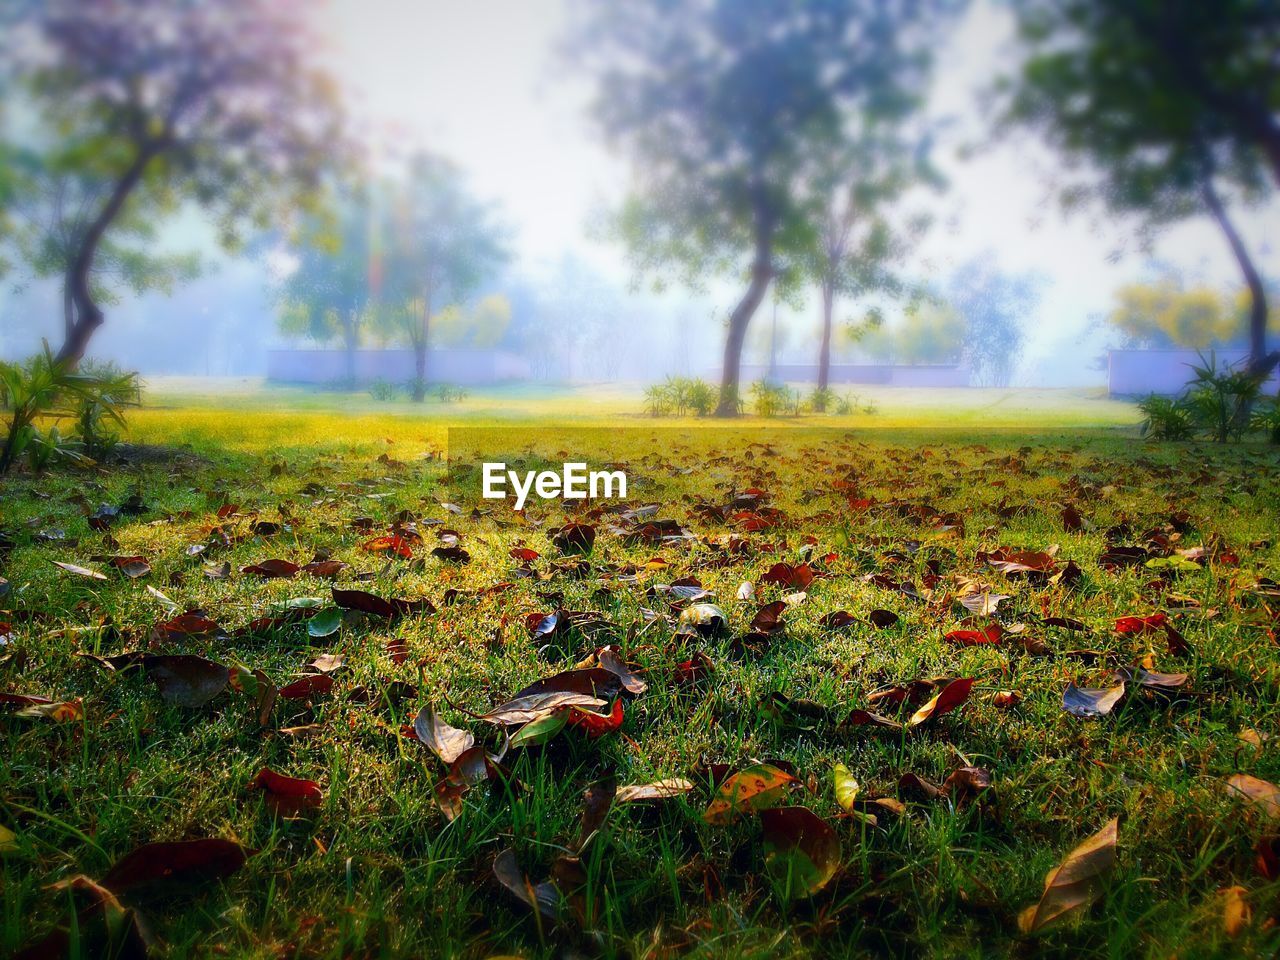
point(1006, 638)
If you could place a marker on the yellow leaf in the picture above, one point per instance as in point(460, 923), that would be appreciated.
point(1236, 912)
point(846, 787)
point(751, 789)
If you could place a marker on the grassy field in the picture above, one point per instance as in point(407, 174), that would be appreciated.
point(928, 509)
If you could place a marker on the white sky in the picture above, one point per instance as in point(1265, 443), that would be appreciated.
point(481, 82)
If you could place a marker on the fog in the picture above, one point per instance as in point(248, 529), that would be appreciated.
point(494, 88)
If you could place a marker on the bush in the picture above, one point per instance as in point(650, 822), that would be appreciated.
point(1267, 418)
point(45, 389)
point(1220, 400)
point(450, 393)
point(679, 396)
point(821, 399)
point(656, 402)
point(1216, 402)
point(1167, 418)
point(702, 397)
point(383, 391)
point(98, 412)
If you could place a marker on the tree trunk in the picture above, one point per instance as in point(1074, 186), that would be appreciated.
point(740, 319)
point(68, 309)
point(349, 342)
point(824, 351)
point(420, 371)
point(1260, 362)
point(420, 354)
point(88, 315)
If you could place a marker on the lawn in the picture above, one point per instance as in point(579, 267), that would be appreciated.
point(926, 583)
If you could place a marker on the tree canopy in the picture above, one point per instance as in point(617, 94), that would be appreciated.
point(724, 107)
point(442, 245)
point(1169, 313)
point(1164, 104)
point(147, 105)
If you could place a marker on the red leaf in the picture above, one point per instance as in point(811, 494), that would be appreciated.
point(273, 569)
point(307, 687)
point(1141, 625)
point(287, 795)
point(976, 638)
point(389, 544)
point(785, 575)
point(953, 694)
point(184, 860)
point(595, 724)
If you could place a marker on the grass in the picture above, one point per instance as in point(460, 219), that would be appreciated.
point(377, 870)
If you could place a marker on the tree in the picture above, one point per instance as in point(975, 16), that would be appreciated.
point(480, 326)
point(858, 241)
point(1166, 101)
point(330, 293)
point(725, 106)
point(994, 308)
point(167, 101)
point(443, 245)
point(52, 209)
point(930, 331)
point(1167, 313)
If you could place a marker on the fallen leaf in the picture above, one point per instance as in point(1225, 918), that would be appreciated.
point(272, 569)
point(989, 635)
point(760, 785)
point(186, 680)
point(846, 786)
point(79, 571)
point(287, 796)
point(1262, 794)
point(1091, 702)
point(1236, 912)
point(952, 695)
point(183, 861)
point(325, 623)
point(802, 850)
point(306, 687)
point(448, 743)
point(658, 790)
point(1076, 882)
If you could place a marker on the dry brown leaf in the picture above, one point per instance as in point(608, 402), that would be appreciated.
point(1076, 882)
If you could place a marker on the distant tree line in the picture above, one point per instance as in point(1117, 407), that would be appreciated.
point(783, 145)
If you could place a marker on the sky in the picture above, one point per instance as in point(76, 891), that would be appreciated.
point(483, 82)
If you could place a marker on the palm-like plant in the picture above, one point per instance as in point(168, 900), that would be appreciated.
point(45, 387)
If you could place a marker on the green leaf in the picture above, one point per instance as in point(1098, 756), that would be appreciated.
point(541, 730)
point(325, 623)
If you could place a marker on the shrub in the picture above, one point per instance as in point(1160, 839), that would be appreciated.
point(679, 396)
point(383, 391)
point(99, 411)
point(450, 393)
point(821, 399)
point(1167, 418)
point(766, 399)
point(656, 403)
point(1267, 418)
point(44, 388)
point(702, 397)
point(1220, 399)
